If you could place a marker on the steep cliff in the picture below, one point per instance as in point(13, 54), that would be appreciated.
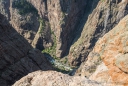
point(109, 57)
point(102, 19)
point(112, 50)
point(24, 19)
point(67, 29)
point(23, 16)
point(64, 17)
point(17, 57)
point(4, 8)
point(54, 23)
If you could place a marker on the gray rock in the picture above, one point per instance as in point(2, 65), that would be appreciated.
point(52, 78)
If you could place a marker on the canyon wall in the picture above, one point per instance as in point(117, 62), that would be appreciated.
point(108, 64)
point(17, 57)
point(108, 60)
point(103, 18)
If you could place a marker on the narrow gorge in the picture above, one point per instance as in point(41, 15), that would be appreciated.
point(47, 42)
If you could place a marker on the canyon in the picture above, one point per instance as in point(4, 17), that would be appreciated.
point(90, 36)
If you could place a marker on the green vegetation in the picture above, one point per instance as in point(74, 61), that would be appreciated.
point(62, 70)
point(42, 25)
point(51, 50)
point(102, 0)
point(57, 64)
point(24, 7)
point(65, 60)
point(63, 17)
point(60, 67)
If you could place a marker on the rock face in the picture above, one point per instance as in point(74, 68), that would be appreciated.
point(102, 19)
point(64, 17)
point(26, 25)
point(64, 27)
point(17, 57)
point(101, 75)
point(57, 13)
point(4, 8)
point(88, 67)
point(112, 49)
point(64, 24)
point(52, 78)
point(27, 22)
point(122, 62)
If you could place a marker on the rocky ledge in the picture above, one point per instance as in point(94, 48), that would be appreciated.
point(52, 78)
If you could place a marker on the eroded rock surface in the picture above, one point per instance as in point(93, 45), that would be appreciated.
point(88, 67)
point(112, 49)
point(26, 25)
point(52, 78)
point(64, 22)
point(103, 18)
point(63, 19)
point(27, 22)
point(17, 57)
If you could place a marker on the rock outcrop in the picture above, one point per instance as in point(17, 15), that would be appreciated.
point(110, 56)
point(112, 49)
point(27, 25)
point(64, 24)
point(4, 8)
point(17, 57)
point(23, 16)
point(88, 67)
point(64, 27)
point(61, 18)
point(103, 18)
point(52, 78)
point(64, 18)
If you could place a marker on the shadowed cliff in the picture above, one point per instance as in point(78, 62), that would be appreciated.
point(17, 57)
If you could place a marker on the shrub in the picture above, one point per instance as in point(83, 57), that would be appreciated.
point(42, 25)
point(24, 7)
point(51, 50)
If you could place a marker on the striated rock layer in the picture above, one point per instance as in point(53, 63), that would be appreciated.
point(101, 19)
point(17, 57)
point(62, 18)
point(71, 27)
point(109, 53)
point(112, 49)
